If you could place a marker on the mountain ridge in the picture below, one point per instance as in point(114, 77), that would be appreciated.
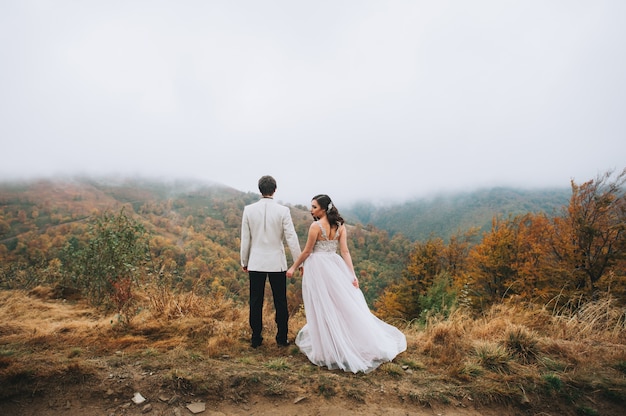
point(448, 214)
point(419, 218)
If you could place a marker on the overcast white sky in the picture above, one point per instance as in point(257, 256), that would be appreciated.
point(374, 100)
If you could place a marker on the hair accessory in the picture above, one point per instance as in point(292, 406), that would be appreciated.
point(330, 205)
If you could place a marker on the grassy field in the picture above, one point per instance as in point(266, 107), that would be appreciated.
point(59, 356)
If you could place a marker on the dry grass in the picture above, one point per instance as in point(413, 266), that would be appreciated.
point(600, 320)
point(514, 354)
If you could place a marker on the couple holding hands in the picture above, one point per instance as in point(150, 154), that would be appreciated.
point(340, 330)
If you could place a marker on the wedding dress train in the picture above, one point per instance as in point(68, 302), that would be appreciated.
point(341, 332)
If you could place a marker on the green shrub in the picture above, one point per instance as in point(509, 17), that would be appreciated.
point(440, 299)
point(108, 266)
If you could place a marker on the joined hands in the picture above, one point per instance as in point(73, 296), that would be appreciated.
point(291, 271)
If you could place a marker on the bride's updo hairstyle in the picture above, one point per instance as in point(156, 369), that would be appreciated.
point(332, 214)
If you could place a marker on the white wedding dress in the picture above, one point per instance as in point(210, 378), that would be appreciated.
point(341, 332)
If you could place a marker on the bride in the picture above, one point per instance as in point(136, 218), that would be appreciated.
point(341, 332)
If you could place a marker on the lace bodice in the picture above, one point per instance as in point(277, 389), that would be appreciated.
point(326, 245)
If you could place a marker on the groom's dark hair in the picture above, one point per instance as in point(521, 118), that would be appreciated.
point(267, 185)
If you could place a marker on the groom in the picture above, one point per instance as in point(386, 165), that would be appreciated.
point(264, 226)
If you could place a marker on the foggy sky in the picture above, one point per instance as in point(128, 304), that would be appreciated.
point(363, 100)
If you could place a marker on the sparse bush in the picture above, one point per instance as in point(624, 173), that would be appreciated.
point(326, 387)
point(392, 369)
point(440, 299)
point(278, 364)
point(446, 340)
point(471, 369)
point(492, 357)
point(522, 343)
point(413, 365)
point(356, 395)
point(108, 267)
point(274, 388)
point(553, 382)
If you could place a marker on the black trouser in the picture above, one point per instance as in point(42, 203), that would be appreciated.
point(278, 283)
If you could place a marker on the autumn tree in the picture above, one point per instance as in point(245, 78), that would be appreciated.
point(429, 264)
point(455, 255)
point(535, 257)
point(514, 259)
point(539, 274)
point(492, 262)
point(590, 236)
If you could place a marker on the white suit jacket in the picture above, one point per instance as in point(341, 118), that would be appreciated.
point(264, 228)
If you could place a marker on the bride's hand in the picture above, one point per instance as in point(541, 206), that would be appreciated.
point(290, 272)
point(355, 283)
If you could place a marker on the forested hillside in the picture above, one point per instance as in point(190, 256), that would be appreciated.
point(490, 244)
point(192, 230)
point(446, 215)
point(487, 244)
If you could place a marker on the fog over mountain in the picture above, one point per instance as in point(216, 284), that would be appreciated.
point(362, 100)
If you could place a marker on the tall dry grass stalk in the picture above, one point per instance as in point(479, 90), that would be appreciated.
point(599, 319)
point(164, 303)
point(518, 337)
point(36, 315)
point(444, 340)
point(523, 343)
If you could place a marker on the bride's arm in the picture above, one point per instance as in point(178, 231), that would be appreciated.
point(314, 231)
point(345, 252)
